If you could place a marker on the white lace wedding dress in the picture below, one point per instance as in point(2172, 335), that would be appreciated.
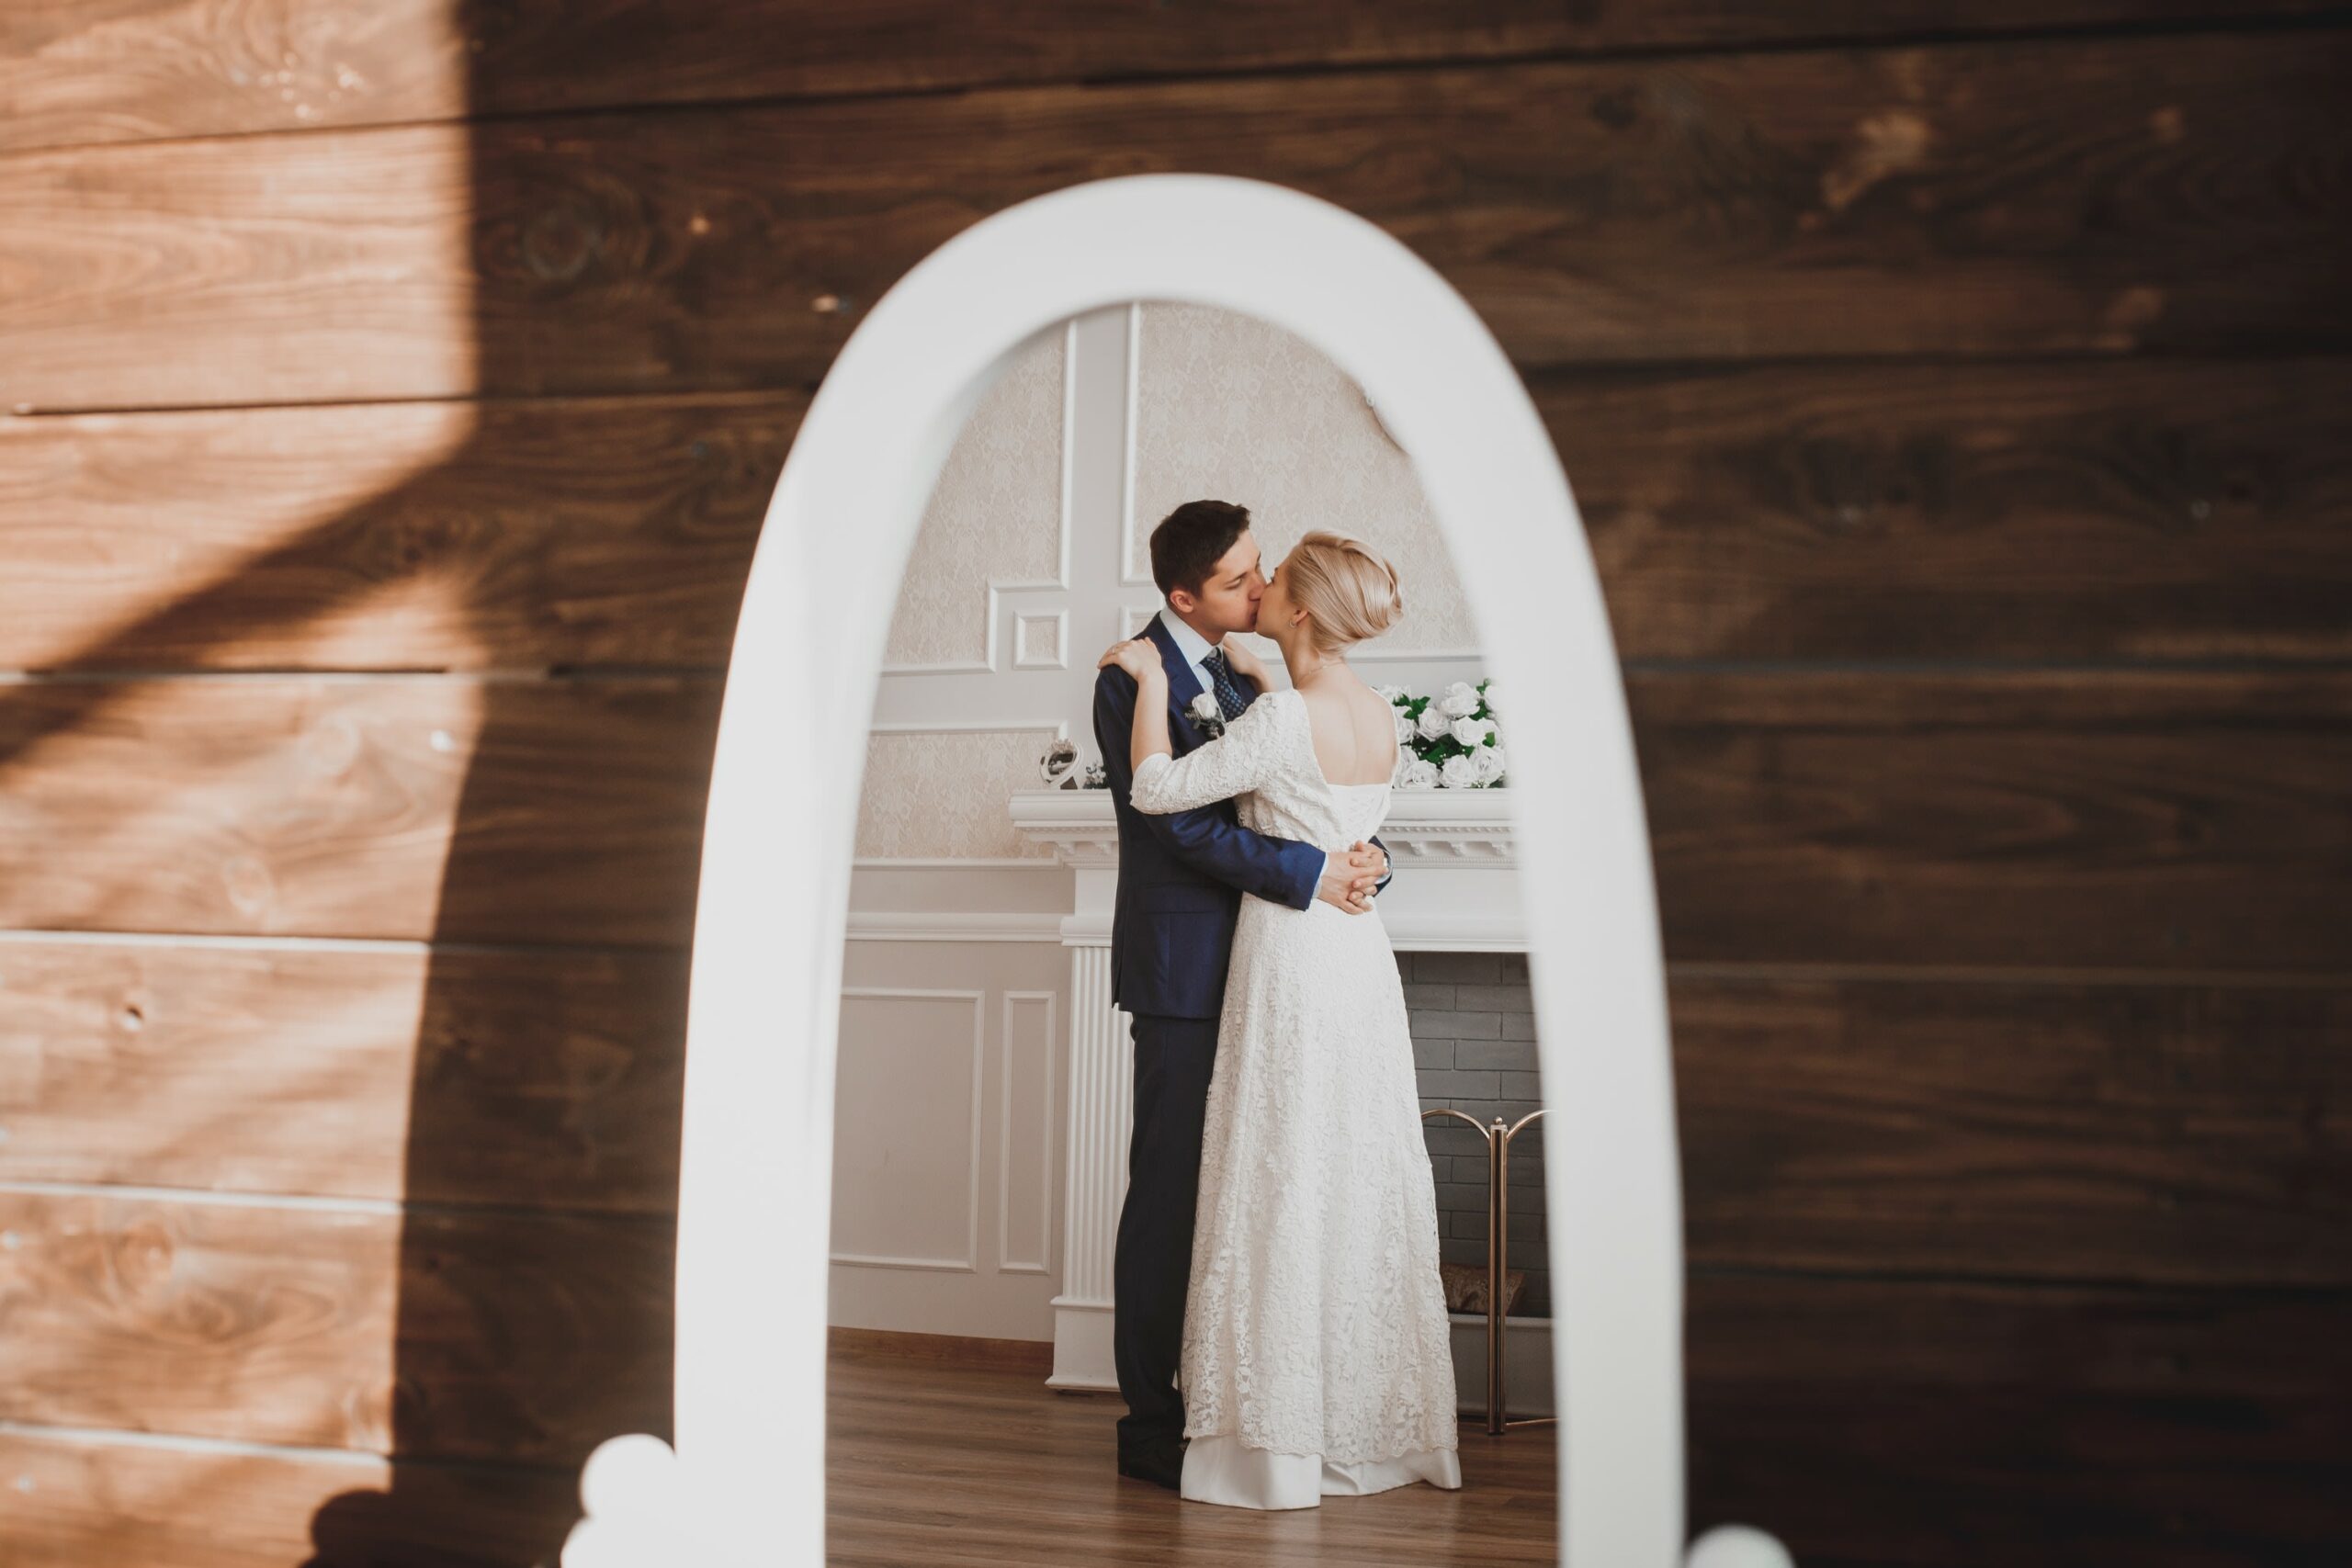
point(1316, 1354)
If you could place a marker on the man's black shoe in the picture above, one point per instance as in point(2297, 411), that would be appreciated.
point(1161, 1467)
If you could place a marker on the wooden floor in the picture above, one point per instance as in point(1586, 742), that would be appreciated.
point(937, 1462)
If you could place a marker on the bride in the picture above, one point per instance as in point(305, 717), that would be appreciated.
point(1317, 1350)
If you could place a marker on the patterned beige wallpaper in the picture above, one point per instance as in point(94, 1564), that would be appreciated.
point(1230, 408)
point(996, 514)
point(939, 794)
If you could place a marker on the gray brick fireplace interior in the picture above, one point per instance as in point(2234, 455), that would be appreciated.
point(1474, 1049)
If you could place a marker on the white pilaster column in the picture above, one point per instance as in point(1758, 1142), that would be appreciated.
point(1078, 826)
point(1101, 1101)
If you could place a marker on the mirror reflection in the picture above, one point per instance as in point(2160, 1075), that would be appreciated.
point(1185, 1003)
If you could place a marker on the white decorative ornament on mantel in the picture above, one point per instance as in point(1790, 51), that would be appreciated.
point(1451, 824)
point(764, 1010)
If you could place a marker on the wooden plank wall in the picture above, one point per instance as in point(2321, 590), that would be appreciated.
point(1958, 399)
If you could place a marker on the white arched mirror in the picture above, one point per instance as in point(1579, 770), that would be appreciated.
point(746, 1481)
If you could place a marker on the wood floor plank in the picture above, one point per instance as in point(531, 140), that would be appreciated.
point(2094, 196)
point(1012, 1474)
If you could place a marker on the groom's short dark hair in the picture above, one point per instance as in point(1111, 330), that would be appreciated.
point(1192, 540)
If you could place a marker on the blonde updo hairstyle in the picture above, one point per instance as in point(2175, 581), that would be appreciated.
point(1348, 593)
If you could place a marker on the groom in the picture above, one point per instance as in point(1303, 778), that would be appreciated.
point(1181, 881)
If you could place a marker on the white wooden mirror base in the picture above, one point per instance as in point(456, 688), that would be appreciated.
point(746, 1484)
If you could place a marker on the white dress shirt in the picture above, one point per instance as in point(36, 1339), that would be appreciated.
point(1194, 645)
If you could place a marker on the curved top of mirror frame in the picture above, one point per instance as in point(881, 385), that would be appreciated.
point(764, 1008)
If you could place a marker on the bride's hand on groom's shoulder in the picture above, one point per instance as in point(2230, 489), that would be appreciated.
point(1138, 655)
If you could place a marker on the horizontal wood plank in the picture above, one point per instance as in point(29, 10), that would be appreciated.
point(2068, 1129)
point(1952, 1425)
point(83, 1500)
point(2078, 1130)
point(2055, 820)
point(2051, 819)
point(2097, 196)
point(460, 807)
point(453, 1076)
point(399, 536)
point(491, 1336)
point(2145, 509)
point(145, 69)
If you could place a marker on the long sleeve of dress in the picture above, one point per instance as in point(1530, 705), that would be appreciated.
point(1245, 756)
point(1207, 838)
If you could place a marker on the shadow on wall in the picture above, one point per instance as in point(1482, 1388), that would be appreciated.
point(539, 1034)
point(591, 555)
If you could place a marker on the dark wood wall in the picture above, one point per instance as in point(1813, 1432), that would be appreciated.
point(1958, 397)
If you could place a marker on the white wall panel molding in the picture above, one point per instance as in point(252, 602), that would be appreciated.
point(870, 1191)
point(1024, 1071)
point(993, 481)
point(1054, 726)
point(1135, 560)
point(1041, 639)
point(868, 925)
point(1039, 1148)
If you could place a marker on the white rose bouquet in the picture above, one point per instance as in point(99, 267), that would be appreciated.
point(1451, 740)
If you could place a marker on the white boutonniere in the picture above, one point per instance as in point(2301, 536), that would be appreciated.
point(1208, 715)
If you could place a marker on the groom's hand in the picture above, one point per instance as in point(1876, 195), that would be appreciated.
point(1349, 878)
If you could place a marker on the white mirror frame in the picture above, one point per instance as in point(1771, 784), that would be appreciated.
point(746, 1481)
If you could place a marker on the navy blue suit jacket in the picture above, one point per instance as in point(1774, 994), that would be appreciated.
point(1181, 875)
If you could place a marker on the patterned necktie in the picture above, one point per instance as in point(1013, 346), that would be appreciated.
point(1229, 694)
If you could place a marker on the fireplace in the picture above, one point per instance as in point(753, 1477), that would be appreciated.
point(1474, 1051)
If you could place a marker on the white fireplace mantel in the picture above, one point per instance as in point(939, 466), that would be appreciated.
point(1452, 851)
point(1456, 888)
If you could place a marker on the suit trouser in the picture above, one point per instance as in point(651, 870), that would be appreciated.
point(1152, 1264)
